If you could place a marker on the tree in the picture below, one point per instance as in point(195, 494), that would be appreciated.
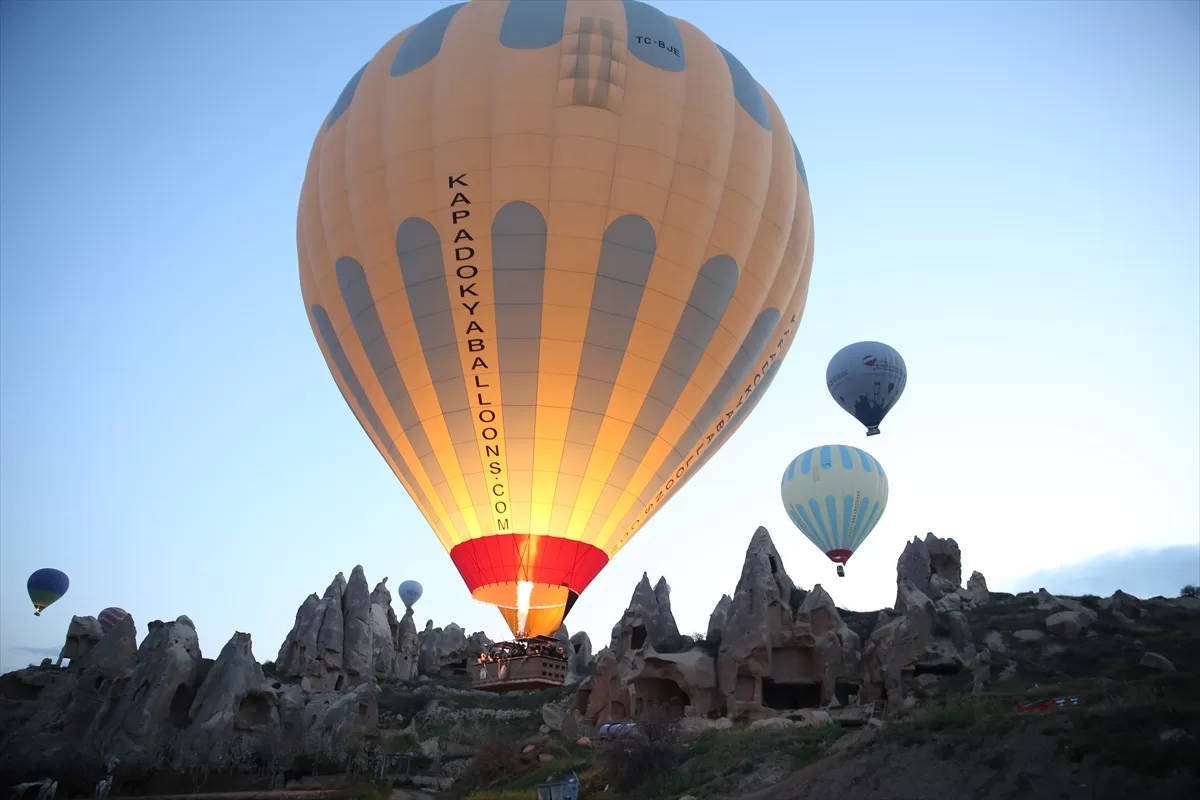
point(1191, 590)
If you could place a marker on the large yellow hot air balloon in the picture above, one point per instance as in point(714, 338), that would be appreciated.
point(552, 251)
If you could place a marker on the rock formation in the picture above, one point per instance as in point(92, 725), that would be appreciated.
point(162, 705)
point(769, 650)
point(581, 659)
point(773, 650)
point(934, 568)
point(649, 612)
point(718, 618)
point(394, 641)
point(446, 651)
point(82, 635)
point(769, 657)
point(348, 637)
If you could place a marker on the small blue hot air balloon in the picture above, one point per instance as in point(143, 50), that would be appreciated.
point(410, 592)
point(110, 616)
point(45, 586)
point(866, 379)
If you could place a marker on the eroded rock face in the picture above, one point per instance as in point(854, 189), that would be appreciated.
point(163, 706)
point(348, 637)
point(358, 650)
point(232, 701)
point(769, 659)
point(580, 662)
point(933, 567)
point(404, 663)
point(312, 651)
point(384, 631)
point(718, 618)
point(579, 654)
point(921, 641)
point(159, 692)
point(978, 588)
point(770, 650)
point(648, 617)
point(444, 651)
point(82, 635)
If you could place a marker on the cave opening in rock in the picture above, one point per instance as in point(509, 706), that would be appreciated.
point(454, 668)
point(637, 637)
point(774, 565)
point(254, 711)
point(844, 691)
point(578, 646)
point(339, 683)
point(937, 668)
point(661, 694)
point(181, 701)
point(788, 696)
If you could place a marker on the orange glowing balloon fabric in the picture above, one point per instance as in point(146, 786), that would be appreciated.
point(553, 252)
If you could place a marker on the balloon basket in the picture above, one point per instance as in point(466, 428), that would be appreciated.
point(841, 571)
point(538, 662)
point(873, 430)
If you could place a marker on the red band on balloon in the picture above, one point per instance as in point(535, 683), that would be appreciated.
point(523, 557)
point(840, 556)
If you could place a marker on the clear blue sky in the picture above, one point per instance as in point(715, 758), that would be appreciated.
point(1007, 193)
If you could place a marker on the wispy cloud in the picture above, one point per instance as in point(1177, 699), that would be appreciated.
point(1143, 573)
point(44, 652)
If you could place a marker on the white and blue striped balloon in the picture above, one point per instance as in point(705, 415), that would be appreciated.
point(835, 495)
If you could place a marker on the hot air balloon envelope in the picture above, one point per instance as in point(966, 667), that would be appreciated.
point(548, 250)
point(45, 586)
point(410, 592)
point(110, 616)
point(866, 379)
point(835, 495)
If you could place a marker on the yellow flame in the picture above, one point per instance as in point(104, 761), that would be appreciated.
point(524, 593)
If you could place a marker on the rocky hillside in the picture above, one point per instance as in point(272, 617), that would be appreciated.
point(784, 695)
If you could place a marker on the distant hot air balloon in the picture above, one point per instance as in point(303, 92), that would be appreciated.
point(552, 252)
point(410, 592)
point(866, 379)
point(45, 586)
point(110, 616)
point(835, 494)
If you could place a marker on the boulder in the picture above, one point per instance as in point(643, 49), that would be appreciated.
point(981, 671)
point(1067, 624)
point(1156, 662)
